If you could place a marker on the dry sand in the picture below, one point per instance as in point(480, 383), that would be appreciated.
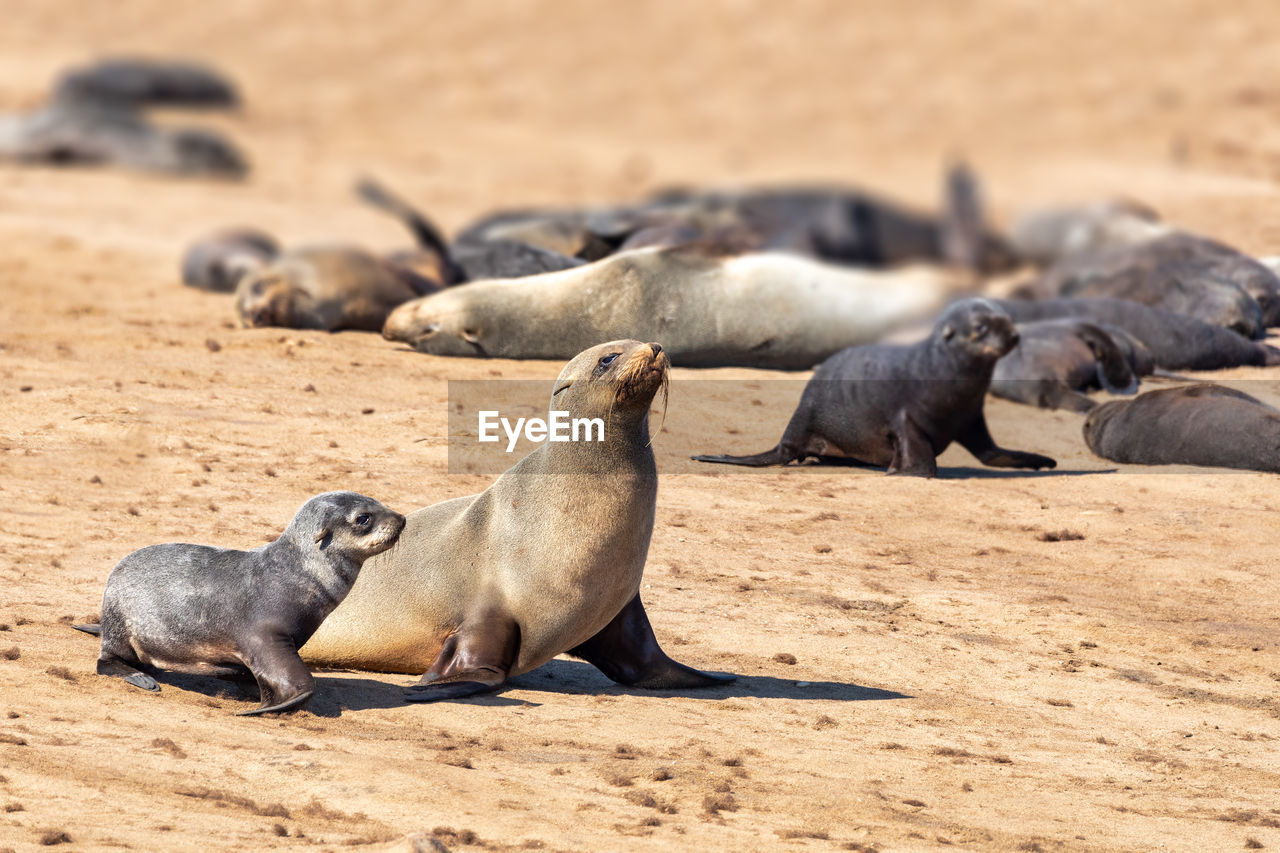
point(921, 666)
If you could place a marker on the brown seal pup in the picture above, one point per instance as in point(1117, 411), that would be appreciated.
point(1055, 360)
point(218, 261)
point(1175, 341)
point(770, 309)
point(899, 407)
point(546, 561)
point(213, 611)
point(1206, 424)
point(329, 288)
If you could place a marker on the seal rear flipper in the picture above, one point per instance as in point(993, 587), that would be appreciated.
point(114, 666)
point(627, 652)
point(95, 630)
point(912, 449)
point(284, 681)
point(424, 230)
point(1059, 396)
point(775, 456)
point(1269, 355)
point(1115, 373)
point(476, 658)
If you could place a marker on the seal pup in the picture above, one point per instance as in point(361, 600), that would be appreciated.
point(1055, 360)
point(330, 288)
point(899, 407)
point(218, 260)
point(770, 309)
point(213, 611)
point(1175, 341)
point(546, 561)
point(1205, 424)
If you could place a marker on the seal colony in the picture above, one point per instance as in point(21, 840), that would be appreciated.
point(546, 561)
point(212, 611)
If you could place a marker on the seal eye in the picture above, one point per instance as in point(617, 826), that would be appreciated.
point(362, 519)
point(980, 330)
point(608, 359)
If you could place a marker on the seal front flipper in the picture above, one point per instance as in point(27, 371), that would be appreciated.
point(976, 439)
point(283, 679)
point(475, 658)
point(627, 651)
point(913, 453)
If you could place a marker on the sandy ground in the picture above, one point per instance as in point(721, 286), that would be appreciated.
point(919, 668)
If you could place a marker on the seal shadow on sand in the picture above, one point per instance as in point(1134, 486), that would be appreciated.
point(336, 694)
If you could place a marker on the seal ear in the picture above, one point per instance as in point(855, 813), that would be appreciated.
point(470, 336)
point(948, 332)
point(324, 534)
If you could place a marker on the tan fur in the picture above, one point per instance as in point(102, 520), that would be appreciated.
point(558, 541)
point(768, 309)
point(329, 288)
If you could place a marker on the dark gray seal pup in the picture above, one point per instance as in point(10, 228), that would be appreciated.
point(901, 406)
point(87, 130)
point(218, 261)
point(1175, 341)
point(1056, 360)
point(213, 611)
point(151, 82)
point(1206, 424)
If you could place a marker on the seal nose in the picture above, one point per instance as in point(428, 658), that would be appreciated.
point(657, 348)
point(1014, 338)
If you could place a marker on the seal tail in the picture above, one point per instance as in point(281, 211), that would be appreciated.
point(95, 630)
point(424, 230)
point(1115, 373)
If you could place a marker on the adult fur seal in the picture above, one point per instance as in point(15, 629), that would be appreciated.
point(329, 288)
point(218, 261)
point(760, 310)
point(834, 224)
point(214, 611)
point(1205, 424)
point(899, 407)
point(546, 561)
point(1175, 341)
point(1161, 279)
point(77, 129)
point(1122, 249)
point(1055, 360)
point(150, 82)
